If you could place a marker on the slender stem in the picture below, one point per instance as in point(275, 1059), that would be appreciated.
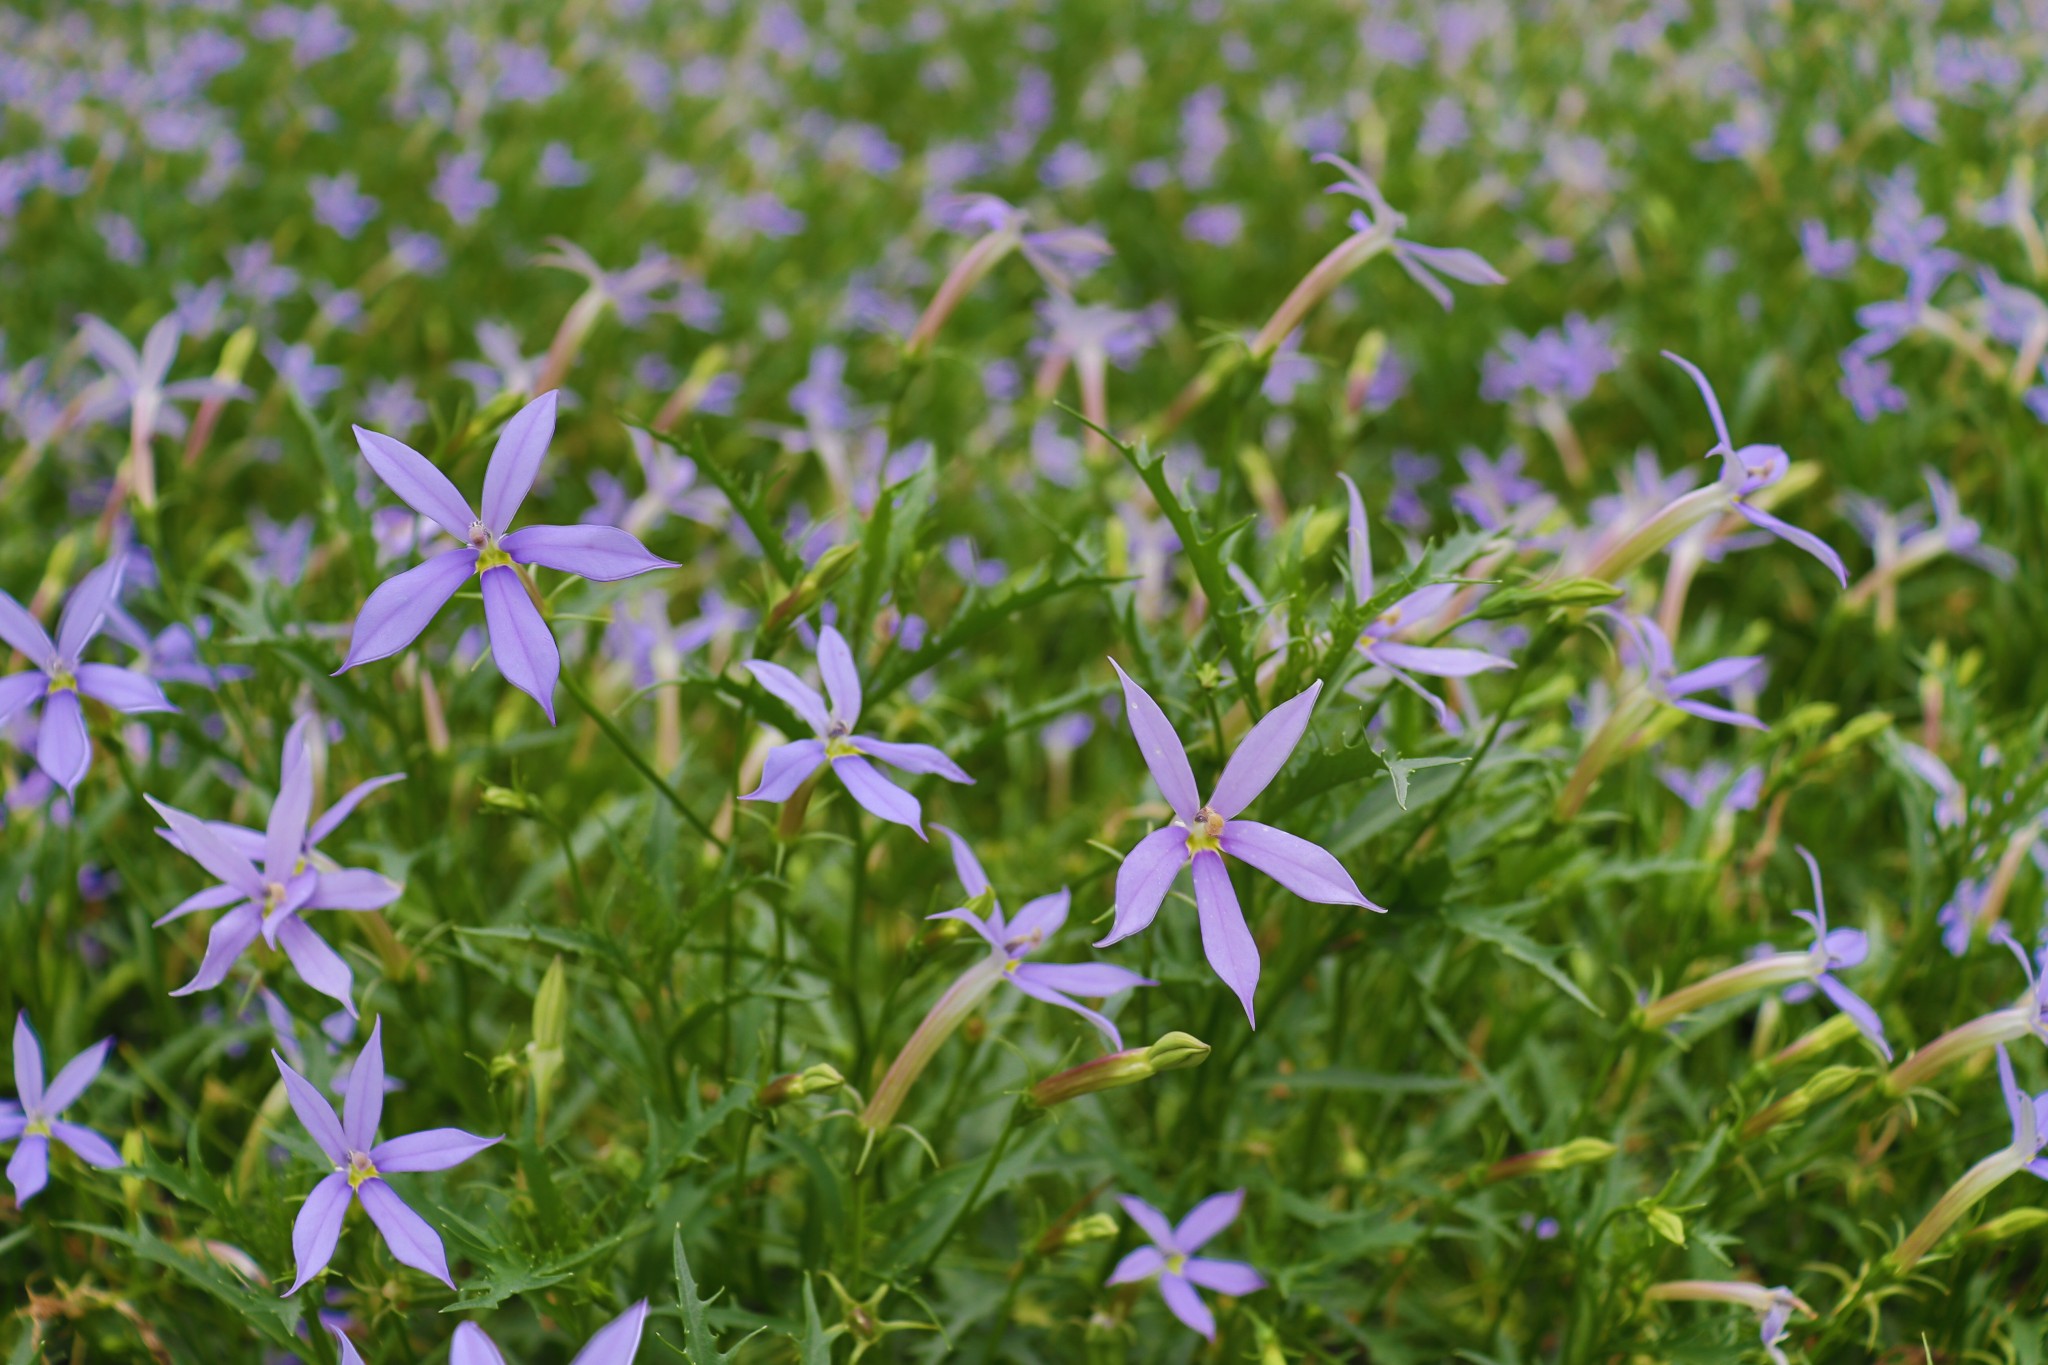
point(859, 883)
point(966, 1206)
point(624, 744)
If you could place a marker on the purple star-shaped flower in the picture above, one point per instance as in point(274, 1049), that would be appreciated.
point(400, 608)
point(1202, 833)
point(34, 1119)
point(294, 877)
point(1172, 1258)
point(1752, 468)
point(57, 679)
point(1023, 934)
point(1652, 649)
point(615, 1343)
point(788, 765)
point(360, 1165)
point(1834, 950)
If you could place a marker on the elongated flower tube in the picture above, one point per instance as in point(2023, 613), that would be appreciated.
point(2029, 1015)
point(1202, 833)
point(1057, 255)
point(138, 382)
point(1831, 950)
point(2029, 1114)
point(1774, 1307)
point(1952, 533)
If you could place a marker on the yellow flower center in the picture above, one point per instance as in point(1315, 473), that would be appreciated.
point(61, 680)
point(491, 557)
point(840, 747)
point(37, 1127)
point(360, 1168)
point(1207, 832)
point(1176, 1263)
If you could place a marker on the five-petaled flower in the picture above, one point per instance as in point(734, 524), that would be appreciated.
point(34, 1119)
point(401, 607)
point(615, 1343)
point(1202, 832)
point(272, 877)
point(57, 679)
point(1172, 1258)
point(788, 765)
point(360, 1165)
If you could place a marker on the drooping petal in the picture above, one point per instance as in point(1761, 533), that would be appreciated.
point(13, 1123)
point(1141, 1264)
point(1358, 543)
point(1418, 272)
point(618, 1341)
point(20, 690)
point(1306, 869)
point(791, 691)
point(841, 678)
point(314, 1112)
point(1147, 874)
point(515, 460)
point(123, 689)
point(1037, 989)
point(1160, 746)
point(1041, 916)
point(411, 1240)
point(347, 1349)
point(1093, 979)
point(1208, 1218)
point(318, 1228)
point(1793, 535)
point(1187, 1305)
point(78, 1073)
point(330, 819)
point(1438, 663)
point(418, 484)
point(1151, 1222)
point(230, 937)
point(471, 1346)
point(2018, 1107)
point(87, 1145)
point(878, 795)
point(1718, 674)
point(352, 888)
point(85, 611)
point(284, 835)
point(1225, 1277)
point(318, 965)
point(520, 640)
point(1226, 938)
point(980, 926)
point(602, 554)
point(1708, 711)
point(212, 898)
point(28, 1170)
point(1853, 1005)
point(63, 748)
point(393, 616)
point(28, 1063)
point(362, 1107)
point(432, 1149)
point(1727, 443)
point(968, 867)
point(913, 758)
point(25, 633)
point(786, 768)
point(1462, 265)
point(202, 843)
point(1263, 752)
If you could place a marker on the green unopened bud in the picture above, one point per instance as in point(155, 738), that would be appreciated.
point(492, 413)
point(509, 801)
point(133, 1149)
point(1171, 1053)
point(1824, 1085)
point(811, 1080)
point(811, 589)
point(547, 1055)
point(1864, 727)
point(1094, 1227)
point(1562, 592)
point(1664, 1223)
point(234, 356)
point(1577, 1152)
point(2006, 1226)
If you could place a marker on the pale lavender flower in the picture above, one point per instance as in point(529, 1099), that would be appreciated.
point(1214, 224)
point(1867, 383)
point(460, 187)
point(1830, 258)
point(615, 1343)
point(1420, 263)
point(1651, 649)
point(521, 643)
point(171, 655)
point(123, 242)
point(559, 168)
point(1833, 951)
point(273, 876)
point(360, 1165)
point(339, 203)
point(1381, 643)
point(1714, 785)
point(1202, 833)
point(789, 765)
point(282, 550)
point(57, 679)
point(1172, 1259)
point(257, 275)
point(299, 371)
point(134, 382)
point(1497, 494)
point(1959, 915)
point(506, 368)
point(33, 1119)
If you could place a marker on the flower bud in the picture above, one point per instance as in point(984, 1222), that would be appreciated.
point(796, 1085)
point(811, 589)
point(133, 1149)
point(1824, 1085)
point(1577, 1152)
point(2017, 1223)
point(1094, 1227)
point(509, 801)
point(1171, 1053)
point(547, 1054)
point(1562, 592)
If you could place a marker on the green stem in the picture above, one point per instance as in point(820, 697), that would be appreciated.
point(624, 744)
point(966, 1206)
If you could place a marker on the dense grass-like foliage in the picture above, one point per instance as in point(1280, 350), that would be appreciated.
point(944, 355)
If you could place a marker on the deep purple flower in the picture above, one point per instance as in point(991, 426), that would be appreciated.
point(272, 877)
point(1171, 1258)
point(1202, 833)
point(615, 1343)
point(1752, 468)
point(1017, 938)
point(57, 678)
point(521, 644)
point(360, 1165)
point(34, 1118)
point(788, 765)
